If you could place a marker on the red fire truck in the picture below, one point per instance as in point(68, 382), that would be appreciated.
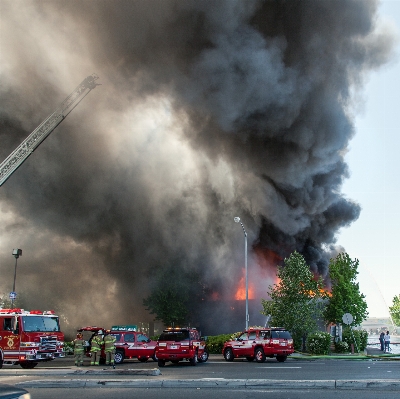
point(29, 337)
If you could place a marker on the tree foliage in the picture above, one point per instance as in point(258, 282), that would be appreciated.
point(346, 296)
point(296, 300)
point(395, 310)
point(175, 296)
point(5, 302)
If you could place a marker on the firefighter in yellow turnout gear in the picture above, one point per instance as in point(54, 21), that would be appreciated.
point(96, 343)
point(109, 348)
point(79, 349)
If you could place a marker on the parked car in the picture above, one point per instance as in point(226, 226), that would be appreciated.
point(176, 344)
point(129, 344)
point(259, 343)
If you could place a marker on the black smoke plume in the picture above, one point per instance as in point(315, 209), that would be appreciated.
point(207, 110)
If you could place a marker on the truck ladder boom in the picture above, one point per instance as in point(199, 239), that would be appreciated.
point(22, 152)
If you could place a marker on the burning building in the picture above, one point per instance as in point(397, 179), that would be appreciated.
point(207, 110)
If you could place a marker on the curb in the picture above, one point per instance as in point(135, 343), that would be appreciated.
point(392, 385)
point(79, 372)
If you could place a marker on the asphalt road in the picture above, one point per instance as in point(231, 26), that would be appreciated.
point(216, 378)
point(199, 393)
point(217, 367)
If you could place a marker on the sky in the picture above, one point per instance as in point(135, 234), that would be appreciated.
point(207, 110)
point(374, 182)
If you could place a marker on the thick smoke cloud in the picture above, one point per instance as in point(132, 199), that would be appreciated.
point(207, 110)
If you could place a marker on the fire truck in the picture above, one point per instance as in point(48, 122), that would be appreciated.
point(29, 337)
point(25, 149)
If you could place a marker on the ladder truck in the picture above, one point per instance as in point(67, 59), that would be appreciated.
point(22, 152)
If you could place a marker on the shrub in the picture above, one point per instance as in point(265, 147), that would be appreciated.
point(68, 348)
point(318, 343)
point(341, 347)
point(360, 338)
point(216, 343)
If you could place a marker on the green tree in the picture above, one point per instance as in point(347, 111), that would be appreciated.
point(176, 296)
point(394, 310)
point(346, 296)
point(296, 300)
point(5, 301)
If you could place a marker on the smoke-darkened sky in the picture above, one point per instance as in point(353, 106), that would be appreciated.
point(207, 110)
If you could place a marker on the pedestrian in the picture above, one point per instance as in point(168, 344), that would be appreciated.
point(95, 350)
point(109, 348)
point(382, 341)
point(387, 342)
point(78, 343)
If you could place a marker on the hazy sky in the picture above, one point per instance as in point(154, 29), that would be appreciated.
point(374, 164)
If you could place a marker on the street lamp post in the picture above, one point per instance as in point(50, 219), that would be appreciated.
point(237, 220)
point(16, 253)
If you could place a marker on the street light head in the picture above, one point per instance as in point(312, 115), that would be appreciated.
point(17, 252)
point(236, 219)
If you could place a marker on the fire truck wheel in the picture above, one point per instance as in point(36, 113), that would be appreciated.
point(228, 355)
point(143, 359)
point(259, 355)
point(28, 365)
point(193, 360)
point(161, 363)
point(250, 358)
point(281, 358)
point(119, 357)
point(203, 357)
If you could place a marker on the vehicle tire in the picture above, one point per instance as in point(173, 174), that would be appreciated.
point(28, 365)
point(143, 359)
point(228, 355)
point(259, 355)
point(281, 358)
point(161, 363)
point(154, 357)
point(119, 357)
point(203, 357)
point(250, 358)
point(193, 360)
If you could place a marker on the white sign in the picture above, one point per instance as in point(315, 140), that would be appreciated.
point(13, 295)
point(347, 318)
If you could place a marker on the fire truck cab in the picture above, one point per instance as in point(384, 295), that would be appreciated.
point(29, 337)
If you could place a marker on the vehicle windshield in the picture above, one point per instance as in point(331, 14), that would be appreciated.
point(40, 323)
point(176, 336)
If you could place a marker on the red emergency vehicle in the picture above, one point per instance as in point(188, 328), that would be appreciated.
point(29, 337)
point(129, 343)
point(259, 343)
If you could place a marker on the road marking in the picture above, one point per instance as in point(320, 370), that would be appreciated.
point(277, 367)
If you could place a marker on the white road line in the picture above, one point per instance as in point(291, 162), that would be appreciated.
point(277, 367)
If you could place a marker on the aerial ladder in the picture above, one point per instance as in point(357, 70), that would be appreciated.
point(22, 152)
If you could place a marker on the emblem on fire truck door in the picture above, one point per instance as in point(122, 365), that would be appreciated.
point(10, 341)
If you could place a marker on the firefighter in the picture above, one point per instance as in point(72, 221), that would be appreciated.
point(109, 348)
point(78, 344)
point(95, 350)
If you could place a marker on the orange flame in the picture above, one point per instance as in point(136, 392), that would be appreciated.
point(241, 291)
